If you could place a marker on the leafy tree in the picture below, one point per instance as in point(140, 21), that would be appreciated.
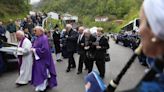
point(87, 10)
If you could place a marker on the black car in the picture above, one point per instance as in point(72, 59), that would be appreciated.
point(8, 60)
point(123, 38)
point(133, 42)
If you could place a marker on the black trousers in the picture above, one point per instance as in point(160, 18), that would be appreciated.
point(71, 60)
point(90, 65)
point(100, 63)
point(82, 59)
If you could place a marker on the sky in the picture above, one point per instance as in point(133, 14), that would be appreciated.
point(34, 1)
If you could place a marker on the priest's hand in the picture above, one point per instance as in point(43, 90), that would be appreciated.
point(32, 49)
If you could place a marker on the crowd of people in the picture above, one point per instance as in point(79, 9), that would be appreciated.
point(34, 51)
point(27, 24)
point(89, 47)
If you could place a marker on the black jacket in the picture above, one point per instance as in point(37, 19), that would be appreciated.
point(71, 40)
point(100, 53)
point(92, 48)
point(56, 40)
point(80, 47)
point(2, 30)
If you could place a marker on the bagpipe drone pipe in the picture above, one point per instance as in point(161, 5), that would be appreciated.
point(153, 80)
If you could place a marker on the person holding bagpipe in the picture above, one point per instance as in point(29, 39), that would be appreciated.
point(152, 44)
point(152, 40)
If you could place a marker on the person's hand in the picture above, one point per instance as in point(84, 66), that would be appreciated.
point(32, 49)
point(61, 45)
point(86, 47)
point(66, 36)
point(82, 44)
point(88, 86)
point(95, 43)
point(98, 47)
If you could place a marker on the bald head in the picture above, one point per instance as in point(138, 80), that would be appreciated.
point(1, 23)
point(68, 27)
point(20, 35)
point(11, 20)
point(81, 30)
point(39, 30)
point(87, 33)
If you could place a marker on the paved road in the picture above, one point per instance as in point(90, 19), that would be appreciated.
point(71, 82)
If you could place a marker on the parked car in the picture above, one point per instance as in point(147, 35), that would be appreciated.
point(8, 58)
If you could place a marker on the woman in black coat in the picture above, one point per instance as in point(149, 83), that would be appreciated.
point(101, 45)
point(89, 50)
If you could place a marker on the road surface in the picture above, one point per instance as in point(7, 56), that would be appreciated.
point(71, 82)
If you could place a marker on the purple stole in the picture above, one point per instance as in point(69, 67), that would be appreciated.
point(20, 56)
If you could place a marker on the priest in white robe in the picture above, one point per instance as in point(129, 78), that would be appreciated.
point(25, 59)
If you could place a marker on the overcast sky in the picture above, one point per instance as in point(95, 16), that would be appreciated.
point(34, 1)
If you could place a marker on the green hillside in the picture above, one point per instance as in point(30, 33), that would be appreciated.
point(119, 8)
point(87, 10)
point(13, 9)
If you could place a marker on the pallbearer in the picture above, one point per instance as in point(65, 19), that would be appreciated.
point(43, 72)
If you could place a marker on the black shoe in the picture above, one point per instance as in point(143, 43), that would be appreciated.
point(59, 60)
point(68, 70)
point(43, 91)
point(102, 76)
point(73, 66)
point(19, 85)
point(79, 72)
point(86, 69)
